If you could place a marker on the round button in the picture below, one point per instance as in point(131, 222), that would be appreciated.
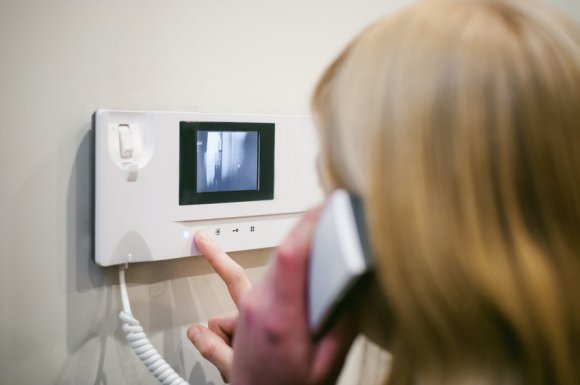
point(218, 231)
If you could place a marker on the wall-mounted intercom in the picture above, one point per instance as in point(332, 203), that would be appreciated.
point(161, 176)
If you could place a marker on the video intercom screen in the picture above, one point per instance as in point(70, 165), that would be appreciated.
point(225, 162)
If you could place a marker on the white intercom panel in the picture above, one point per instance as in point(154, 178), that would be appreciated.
point(161, 176)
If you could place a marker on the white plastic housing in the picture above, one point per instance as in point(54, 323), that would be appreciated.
point(137, 213)
point(337, 259)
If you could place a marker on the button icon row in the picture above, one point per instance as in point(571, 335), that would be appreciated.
point(218, 230)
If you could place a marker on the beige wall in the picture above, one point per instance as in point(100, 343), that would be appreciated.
point(60, 61)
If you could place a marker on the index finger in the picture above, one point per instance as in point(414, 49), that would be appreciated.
point(229, 271)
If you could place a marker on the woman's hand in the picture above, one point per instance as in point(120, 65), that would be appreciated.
point(272, 343)
point(215, 343)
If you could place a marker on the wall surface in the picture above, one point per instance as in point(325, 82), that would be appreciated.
point(59, 62)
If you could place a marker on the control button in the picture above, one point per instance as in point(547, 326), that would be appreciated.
point(218, 231)
point(125, 141)
point(236, 230)
point(252, 229)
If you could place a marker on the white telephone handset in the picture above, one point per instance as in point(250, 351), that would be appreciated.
point(340, 257)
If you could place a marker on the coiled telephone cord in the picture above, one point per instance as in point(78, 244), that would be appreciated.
point(140, 343)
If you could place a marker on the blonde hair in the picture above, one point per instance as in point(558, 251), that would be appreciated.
point(458, 122)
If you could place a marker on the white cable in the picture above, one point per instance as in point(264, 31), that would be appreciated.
point(140, 343)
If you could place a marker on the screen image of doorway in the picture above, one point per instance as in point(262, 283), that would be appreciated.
point(227, 161)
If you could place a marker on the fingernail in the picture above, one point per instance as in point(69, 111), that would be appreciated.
point(201, 236)
point(193, 332)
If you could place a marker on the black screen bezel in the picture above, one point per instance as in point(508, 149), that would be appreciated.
point(188, 194)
